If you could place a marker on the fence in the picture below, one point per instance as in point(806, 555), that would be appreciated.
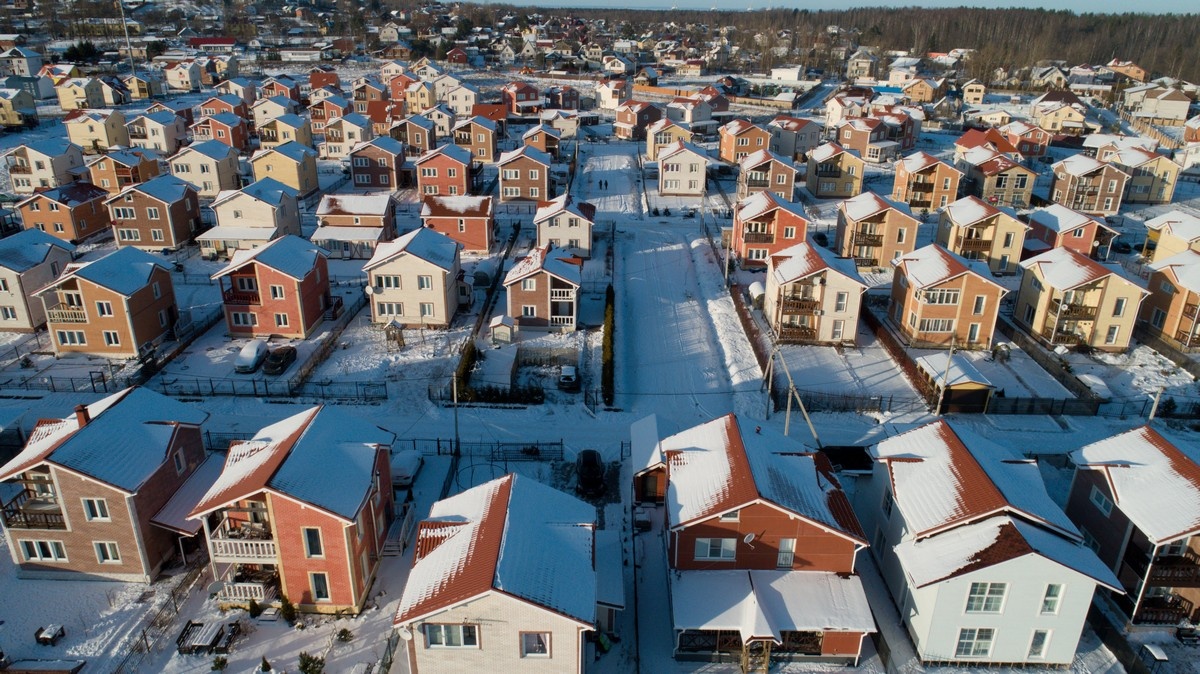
point(535, 450)
point(819, 401)
point(546, 356)
point(97, 382)
point(157, 625)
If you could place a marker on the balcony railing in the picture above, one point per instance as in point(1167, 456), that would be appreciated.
point(1053, 337)
point(560, 294)
point(758, 237)
point(1184, 338)
point(1176, 571)
point(829, 172)
point(242, 550)
point(19, 168)
point(865, 262)
point(922, 187)
point(138, 134)
point(231, 296)
point(1189, 310)
point(865, 239)
point(32, 511)
point(1073, 311)
point(62, 313)
point(797, 333)
point(975, 245)
point(1168, 610)
point(758, 183)
point(799, 305)
point(562, 321)
point(246, 592)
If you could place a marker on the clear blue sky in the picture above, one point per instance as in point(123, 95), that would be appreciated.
point(1096, 6)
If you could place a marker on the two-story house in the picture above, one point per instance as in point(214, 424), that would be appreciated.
point(119, 306)
point(868, 136)
point(468, 220)
point(1029, 140)
point(765, 171)
point(793, 137)
point(72, 212)
point(29, 260)
point(225, 103)
point(1068, 298)
point(96, 130)
point(693, 112)
point(326, 110)
point(379, 164)
point(833, 172)
point(1084, 184)
point(90, 484)
point(1056, 226)
point(279, 288)
point(543, 138)
point(118, 169)
point(977, 230)
point(812, 297)
point(284, 129)
point(419, 134)
point(940, 299)
point(983, 566)
point(1172, 232)
point(415, 280)
point(163, 132)
point(301, 510)
point(45, 163)
point(267, 108)
point(1152, 176)
point(543, 290)
point(250, 217)
point(240, 87)
point(525, 175)
point(739, 138)
point(162, 213)
point(764, 224)
point(565, 224)
point(445, 171)
point(1170, 310)
point(521, 98)
point(662, 133)
point(351, 226)
point(292, 164)
point(874, 230)
point(996, 178)
point(480, 136)
point(925, 183)
point(223, 127)
point(211, 167)
point(344, 134)
point(682, 170)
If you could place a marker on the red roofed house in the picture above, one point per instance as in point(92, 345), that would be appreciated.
point(941, 299)
point(868, 137)
point(280, 288)
point(984, 567)
point(765, 171)
point(1056, 226)
point(764, 224)
point(468, 220)
point(633, 117)
point(1030, 141)
point(991, 139)
point(521, 98)
point(761, 542)
point(301, 510)
point(543, 290)
point(813, 297)
point(91, 485)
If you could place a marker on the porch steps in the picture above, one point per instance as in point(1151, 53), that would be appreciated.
point(394, 545)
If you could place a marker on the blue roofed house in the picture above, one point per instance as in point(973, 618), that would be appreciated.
point(280, 288)
point(162, 213)
point(48, 163)
point(211, 167)
point(416, 280)
point(163, 131)
point(29, 260)
point(250, 217)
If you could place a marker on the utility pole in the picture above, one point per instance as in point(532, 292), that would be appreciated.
point(1154, 407)
point(454, 389)
point(945, 380)
point(128, 43)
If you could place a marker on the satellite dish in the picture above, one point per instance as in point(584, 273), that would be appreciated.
point(216, 587)
point(370, 290)
point(406, 634)
point(748, 539)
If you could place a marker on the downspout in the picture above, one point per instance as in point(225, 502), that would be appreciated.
point(137, 536)
point(1145, 578)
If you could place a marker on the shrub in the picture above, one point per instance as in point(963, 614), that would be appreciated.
point(344, 635)
point(255, 609)
point(465, 364)
point(264, 666)
point(608, 368)
point(311, 664)
point(1168, 407)
point(219, 664)
point(287, 610)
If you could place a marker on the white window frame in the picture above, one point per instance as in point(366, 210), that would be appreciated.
point(986, 597)
point(535, 644)
point(36, 550)
point(307, 541)
point(973, 637)
point(107, 552)
point(716, 549)
point(444, 629)
point(1052, 598)
point(1101, 500)
point(96, 510)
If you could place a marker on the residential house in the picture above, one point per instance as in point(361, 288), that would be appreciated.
point(443, 119)
point(610, 94)
point(351, 226)
point(281, 86)
point(91, 484)
point(812, 296)
point(996, 178)
point(283, 129)
point(343, 134)
point(1154, 104)
point(683, 170)
point(1057, 226)
point(977, 230)
point(1061, 116)
point(119, 306)
point(180, 108)
point(634, 119)
point(367, 90)
point(184, 75)
point(265, 109)
point(1170, 310)
point(525, 175)
point(1152, 176)
point(543, 290)
point(739, 138)
point(694, 112)
point(163, 132)
point(323, 75)
point(874, 230)
point(521, 98)
point(145, 85)
point(861, 65)
point(982, 564)
point(444, 171)
point(991, 139)
point(868, 137)
point(378, 164)
point(973, 92)
point(1068, 298)
point(924, 183)
point(1172, 232)
point(762, 546)
point(250, 217)
point(473, 601)
point(793, 137)
point(210, 166)
point(419, 96)
point(162, 213)
point(417, 133)
point(313, 495)
point(1128, 69)
point(225, 103)
point(462, 98)
point(762, 171)
point(543, 138)
point(565, 224)
point(80, 93)
point(326, 110)
point(764, 224)
point(480, 137)
point(29, 260)
point(561, 97)
point(922, 90)
point(17, 109)
point(73, 212)
point(940, 299)
point(292, 164)
point(225, 128)
point(416, 279)
point(1029, 140)
point(96, 130)
point(280, 288)
point(20, 61)
point(118, 169)
point(834, 172)
point(240, 87)
point(466, 219)
point(1089, 186)
point(48, 163)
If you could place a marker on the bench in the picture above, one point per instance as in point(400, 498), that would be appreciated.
point(1188, 636)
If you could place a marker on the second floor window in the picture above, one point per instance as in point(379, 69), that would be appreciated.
point(312, 542)
point(986, 597)
point(451, 636)
point(1052, 598)
point(95, 509)
point(718, 549)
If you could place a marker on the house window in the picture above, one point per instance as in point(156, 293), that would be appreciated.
point(529, 284)
point(787, 553)
point(424, 283)
point(1158, 318)
point(840, 301)
point(427, 172)
point(974, 642)
point(244, 318)
point(462, 225)
point(716, 549)
point(528, 311)
point(900, 235)
point(8, 313)
point(451, 636)
point(107, 552)
point(312, 542)
point(789, 232)
point(152, 213)
point(1052, 598)
point(96, 510)
point(1038, 644)
point(986, 597)
point(320, 586)
point(162, 318)
point(980, 300)
point(112, 338)
point(104, 309)
point(122, 213)
point(426, 309)
point(389, 309)
point(44, 551)
point(940, 296)
point(276, 292)
point(129, 235)
point(180, 463)
point(839, 327)
point(535, 644)
point(156, 290)
point(731, 516)
point(1119, 307)
point(1110, 336)
point(387, 282)
point(71, 338)
point(936, 325)
point(281, 320)
point(156, 234)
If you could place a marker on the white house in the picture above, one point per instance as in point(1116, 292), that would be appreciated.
point(567, 224)
point(682, 170)
point(414, 280)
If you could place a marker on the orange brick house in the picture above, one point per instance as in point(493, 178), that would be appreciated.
point(1057, 226)
point(301, 510)
point(543, 290)
point(280, 288)
point(72, 212)
point(119, 168)
point(223, 127)
point(765, 171)
point(119, 306)
point(764, 224)
point(445, 171)
point(159, 214)
point(740, 138)
point(466, 219)
point(90, 484)
point(941, 299)
point(1171, 309)
point(924, 183)
point(874, 230)
point(379, 164)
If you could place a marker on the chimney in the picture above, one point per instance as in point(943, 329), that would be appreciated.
point(82, 416)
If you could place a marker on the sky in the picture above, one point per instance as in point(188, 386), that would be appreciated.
point(1095, 6)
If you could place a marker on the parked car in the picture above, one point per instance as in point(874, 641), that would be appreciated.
point(251, 356)
point(589, 469)
point(568, 378)
point(406, 463)
point(279, 360)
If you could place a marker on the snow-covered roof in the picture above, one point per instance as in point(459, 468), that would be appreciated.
point(165, 188)
point(322, 456)
point(28, 248)
point(433, 247)
point(868, 204)
point(1185, 266)
point(761, 203)
point(456, 152)
point(213, 149)
point(347, 233)
point(385, 143)
point(761, 157)
point(525, 151)
point(1066, 268)
point(122, 445)
point(610, 564)
point(50, 147)
point(1154, 482)
point(564, 204)
point(553, 261)
point(291, 149)
point(1059, 218)
point(267, 190)
point(124, 271)
point(289, 255)
point(244, 233)
point(933, 265)
point(1177, 223)
point(944, 476)
point(761, 604)
point(1079, 165)
point(920, 161)
point(174, 515)
point(971, 210)
point(678, 146)
point(805, 259)
point(355, 204)
point(716, 468)
point(825, 152)
point(645, 448)
point(959, 371)
point(513, 536)
point(456, 206)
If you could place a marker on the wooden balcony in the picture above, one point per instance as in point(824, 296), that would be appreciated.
point(799, 305)
point(1073, 311)
point(562, 321)
point(244, 297)
point(865, 262)
point(1168, 610)
point(797, 333)
point(62, 313)
point(20, 168)
point(829, 172)
point(1189, 310)
point(242, 543)
point(1053, 337)
point(867, 239)
point(260, 593)
point(923, 187)
point(1185, 338)
point(975, 245)
point(750, 182)
point(32, 511)
point(758, 237)
point(1176, 571)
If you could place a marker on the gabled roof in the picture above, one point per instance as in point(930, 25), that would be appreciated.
point(124, 271)
point(542, 128)
point(477, 120)
point(1081, 165)
point(739, 126)
point(760, 157)
point(456, 152)
point(933, 265)
point(554, 261)
point(525, 151)
point(805, 259)
point(1065, 268)
point(266, 190)
point(715, 468)
point(291, 149)
point(28, 248)
point(51, 147)
point(323, 457)
point(920, 161)
point(69, 195)
point(868, 204)
point(433, 247)
point(124, 157)
point(456, 206)
point(794, 124)
point(165, 188)
point(213, 149)
point(122, 445)
point(990, 162)
point(944, 476)
point(290, 119)
point(1177, 223)
point(418, 120)
point(513, 536)
point(761, 203)
point(1063, 220)
point(385, 143)
point(678, 146)
point(355, 204)
point(971, 210)
point(991, 137)
point(1154, 482)
point(825, 152)
point(564, 203)
point(289, 255)
point(1185, 266)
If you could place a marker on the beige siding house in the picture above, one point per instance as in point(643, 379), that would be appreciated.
point(812, 296)
point(414, 280)
point(976, 230)
point(211, 167)
point(29, 260)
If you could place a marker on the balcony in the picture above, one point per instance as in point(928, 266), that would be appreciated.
point(1184, 338)
point(1189, 310)
point(61, 313)
point(19, 168)
point(922, 187)
point(921, 204)
point(562, 295)
point(865, 262)
point(30, 510)
point(1176, 571)
point(758, 237)
point(866, 239)
point(1168, 610)
point(1050, 335)
point(231, 296)
point(138, 134)
point(242, 543)
point(830, 172)
point(797, 333)
point(1072, 311)
point(246, 585)
point(750, 182)
point(975, 245)
point(799, 305)
point(562, 321)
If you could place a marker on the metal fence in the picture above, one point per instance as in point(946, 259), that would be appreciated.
point(546, 356)
point(159, 624)
point(532, 450)
point(328, 389)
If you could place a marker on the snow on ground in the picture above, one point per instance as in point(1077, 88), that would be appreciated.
point(1137, 374)
point(863, 370)
point(1018, 376)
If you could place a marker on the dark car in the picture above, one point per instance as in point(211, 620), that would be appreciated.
point(589, 469)
point(279, 360)
point(1122, 247)
point(821, 239)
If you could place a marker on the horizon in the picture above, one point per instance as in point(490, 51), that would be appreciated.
point(1075, 6)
